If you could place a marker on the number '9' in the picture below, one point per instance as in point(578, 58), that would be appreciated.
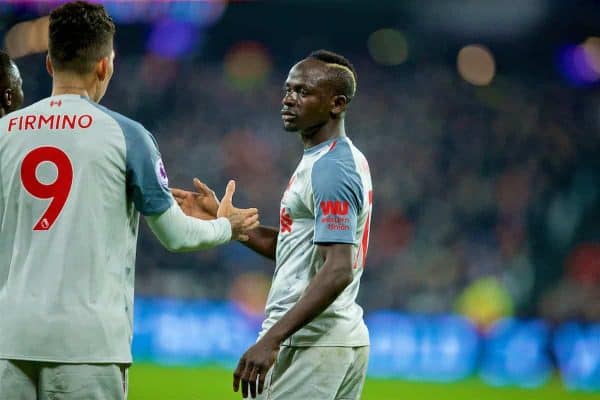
point(58, 191)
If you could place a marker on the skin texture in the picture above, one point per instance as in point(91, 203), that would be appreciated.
point(92, 84)
point(11, 89)
point(311, 108)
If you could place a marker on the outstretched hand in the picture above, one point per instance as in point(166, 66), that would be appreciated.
point(201, 204)
point(204, 204)
point(242, 220)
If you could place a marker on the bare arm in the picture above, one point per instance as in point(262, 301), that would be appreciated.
point(335, 275)
point(263, 240)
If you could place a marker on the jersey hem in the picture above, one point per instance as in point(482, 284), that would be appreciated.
point(63, 361)
point(332, 344)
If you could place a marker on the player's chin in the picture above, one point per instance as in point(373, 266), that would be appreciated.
point(290, 126)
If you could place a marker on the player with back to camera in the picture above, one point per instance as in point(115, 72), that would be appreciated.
point(74, 177)
point(313, 341)
point(11, 85)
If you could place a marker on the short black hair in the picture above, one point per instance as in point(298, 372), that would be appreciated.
point(80, 34)
point(344, 78)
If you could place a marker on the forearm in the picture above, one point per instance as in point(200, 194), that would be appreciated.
point(263, 240)
point(180, 233)
point(322, 291)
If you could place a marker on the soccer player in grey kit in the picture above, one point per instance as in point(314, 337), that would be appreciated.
point(74, 177)
point(314, 343)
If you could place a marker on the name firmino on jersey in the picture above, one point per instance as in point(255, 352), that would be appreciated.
point(52, 122)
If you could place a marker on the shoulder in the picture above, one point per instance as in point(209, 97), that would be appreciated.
point(128, 125)
point(336, 170)
point(337, 163)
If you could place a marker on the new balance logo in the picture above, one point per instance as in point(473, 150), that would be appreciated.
point(57, 103)
point(285, 221)
point(334, 207)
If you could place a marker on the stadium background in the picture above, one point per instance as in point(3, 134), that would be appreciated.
point(480, 120)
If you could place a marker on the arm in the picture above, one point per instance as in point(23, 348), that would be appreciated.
point(178, 232)
point(331, 280)
point(203, 204)
point(333, 277)
point(263, 240)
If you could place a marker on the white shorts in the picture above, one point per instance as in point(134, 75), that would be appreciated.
point(21, 380)
point(317, 373)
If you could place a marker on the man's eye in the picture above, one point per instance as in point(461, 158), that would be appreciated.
point(303, 92)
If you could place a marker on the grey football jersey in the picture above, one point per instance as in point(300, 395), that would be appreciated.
point(74, 177)
point(328, 200)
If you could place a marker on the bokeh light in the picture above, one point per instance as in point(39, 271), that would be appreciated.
point(388, 46)
point(202, 13)
point(579, 64)
point(476, 65)
point(247, 64)
point(172, 39)
point(592, 52)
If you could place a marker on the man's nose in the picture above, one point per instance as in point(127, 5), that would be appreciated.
point(289, 99)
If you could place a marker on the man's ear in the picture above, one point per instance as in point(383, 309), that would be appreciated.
point(339, 104)
point(49, 67)
point(102, 69)
point(7, 98)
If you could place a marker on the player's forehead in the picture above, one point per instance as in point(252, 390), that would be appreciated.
point(309, 72)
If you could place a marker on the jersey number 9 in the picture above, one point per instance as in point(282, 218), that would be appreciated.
point(58, 190)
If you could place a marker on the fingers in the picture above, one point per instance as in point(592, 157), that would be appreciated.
point(229, 191)
point(179, 193)
point(253, 226)
point(245, 374)
point(250, 222)
point(252, 381)
point(261, 381)
point(237, 374)
point(201, 187)
point(242, 237)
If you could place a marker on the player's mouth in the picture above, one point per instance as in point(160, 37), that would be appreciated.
point(287, 116)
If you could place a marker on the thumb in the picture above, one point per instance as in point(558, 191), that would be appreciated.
point(229, 191)
point(200, 187)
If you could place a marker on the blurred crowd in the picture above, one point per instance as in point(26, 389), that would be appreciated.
point(486, 199)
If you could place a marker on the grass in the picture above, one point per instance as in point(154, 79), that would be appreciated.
point(149, 382)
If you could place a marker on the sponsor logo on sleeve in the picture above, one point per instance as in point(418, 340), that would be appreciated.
point(161, 174)
point(334, 215)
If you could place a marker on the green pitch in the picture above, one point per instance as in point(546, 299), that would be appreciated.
point(149, 382)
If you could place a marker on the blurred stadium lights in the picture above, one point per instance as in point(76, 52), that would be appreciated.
point(580, 64)
point(476, 65)
point(592, 52)
point(388, 46)
point(202, 13)
point(247, 64)
point(170, 38)
point(489, 18)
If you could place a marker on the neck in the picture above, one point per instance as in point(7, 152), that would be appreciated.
point(322, 133)
point(66, 84)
